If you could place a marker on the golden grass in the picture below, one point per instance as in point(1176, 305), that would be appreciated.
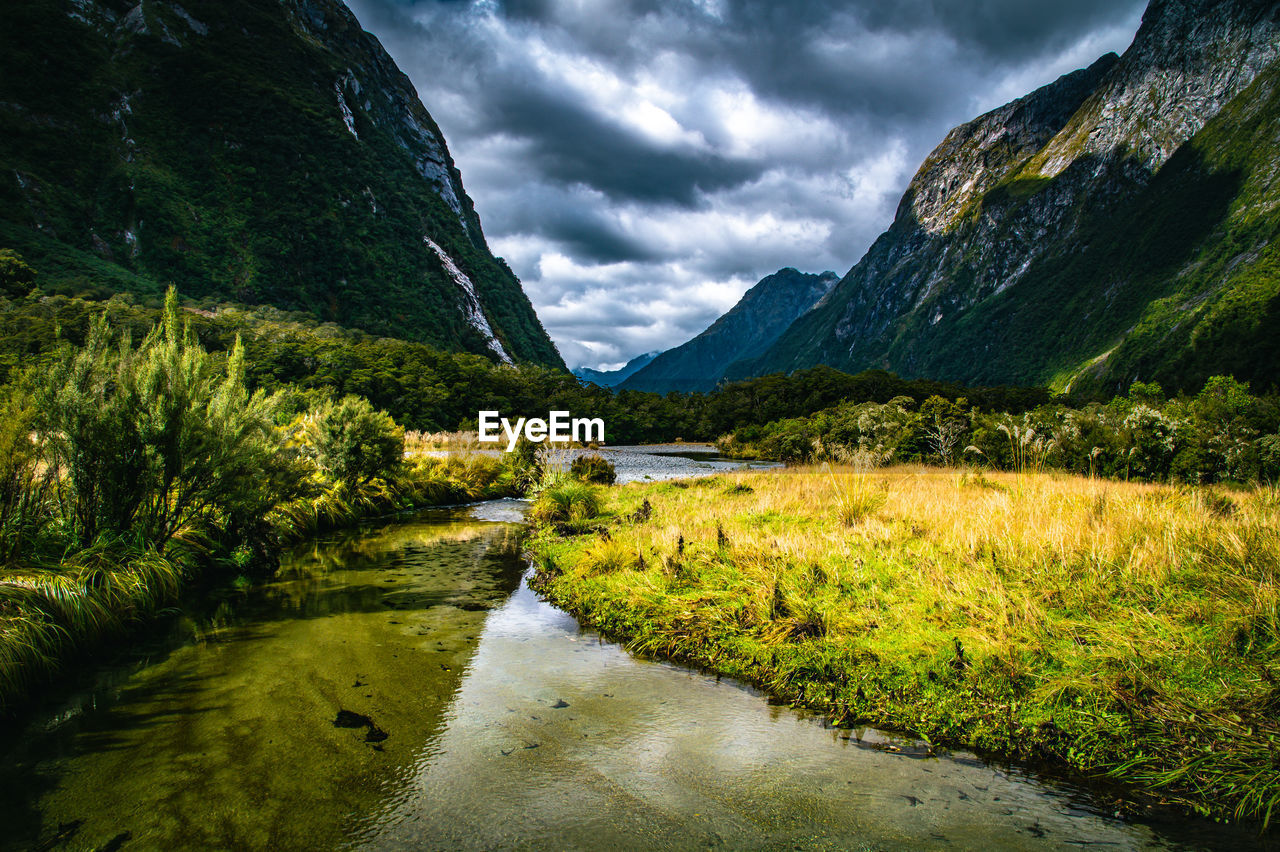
point(1118, 627)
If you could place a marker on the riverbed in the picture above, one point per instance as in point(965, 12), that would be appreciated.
point(472, 715)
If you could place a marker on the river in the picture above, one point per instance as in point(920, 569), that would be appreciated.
point(477, 716)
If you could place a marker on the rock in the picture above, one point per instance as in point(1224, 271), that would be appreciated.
point(116, 842)
point(349, 719)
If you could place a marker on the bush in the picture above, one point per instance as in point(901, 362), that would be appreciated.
point(593, 468)
point(153, 440)
point(1223, 434)
point(26, 482)
point(524, 465)
point(1269, 457)
point(567, 501)
point(353, 442)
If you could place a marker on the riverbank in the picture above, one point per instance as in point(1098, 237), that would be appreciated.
point(496, 722)
point(52, 616)
point(1120, 629)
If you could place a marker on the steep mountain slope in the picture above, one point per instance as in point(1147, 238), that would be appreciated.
point(748, 328)
point(1117, 224)
point(260, 151)
point(610, 378)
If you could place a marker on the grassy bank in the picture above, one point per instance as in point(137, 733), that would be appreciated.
point(53, 614)
point(1114, 628)
point(127, 471)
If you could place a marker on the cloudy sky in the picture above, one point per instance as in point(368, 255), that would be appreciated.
point(641, 163)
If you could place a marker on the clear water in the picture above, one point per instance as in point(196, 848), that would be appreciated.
point(506, 727)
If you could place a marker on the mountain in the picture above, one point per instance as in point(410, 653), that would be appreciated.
point(610, 378)
point(748, 329)
point(264, 152)
point(1117, 224)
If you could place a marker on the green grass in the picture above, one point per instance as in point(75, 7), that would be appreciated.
point(50, 615)
point(1117, 629)
point(566, 503)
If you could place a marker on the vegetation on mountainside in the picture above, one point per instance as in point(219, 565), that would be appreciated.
point(1174, 279)
point(222, 162)
point(426, 389)
point(1115, 628)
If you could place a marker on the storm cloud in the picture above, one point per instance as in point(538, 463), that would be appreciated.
point(640, 164)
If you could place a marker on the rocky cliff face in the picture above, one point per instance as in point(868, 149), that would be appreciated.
point(748, 328)
point(267, 152)
point(1014, 255)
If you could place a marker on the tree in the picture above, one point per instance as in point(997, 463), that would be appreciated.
point(16, 277)
point(944, 424)
point(354, 442)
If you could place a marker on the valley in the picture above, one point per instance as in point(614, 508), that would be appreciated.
point(310, 538)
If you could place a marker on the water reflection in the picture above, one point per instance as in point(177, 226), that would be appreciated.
point(228, 741)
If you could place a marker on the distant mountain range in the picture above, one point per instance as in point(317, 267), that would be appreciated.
point(1120, 223)
point(265, 152)
point(747, 329)
point(610, 378)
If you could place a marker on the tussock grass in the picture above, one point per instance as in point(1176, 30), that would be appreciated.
point(1122, 629)
point(49, 615)
point(566, 502)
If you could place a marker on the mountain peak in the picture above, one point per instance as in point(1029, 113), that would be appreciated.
point(1188, 59)
point(1111, 225)
point(747, 329)
point(977, 155)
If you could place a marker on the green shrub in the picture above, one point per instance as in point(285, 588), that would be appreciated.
point(154, 439)
point(1269, 457)
point(593, 468)
point(353, 442)
point(25, 480)
point(525, 467)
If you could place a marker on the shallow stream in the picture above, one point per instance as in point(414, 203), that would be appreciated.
point(482, 718)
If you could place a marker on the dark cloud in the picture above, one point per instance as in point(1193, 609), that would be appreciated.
point(641, 163)
point(572, 144)
point(579, 227)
